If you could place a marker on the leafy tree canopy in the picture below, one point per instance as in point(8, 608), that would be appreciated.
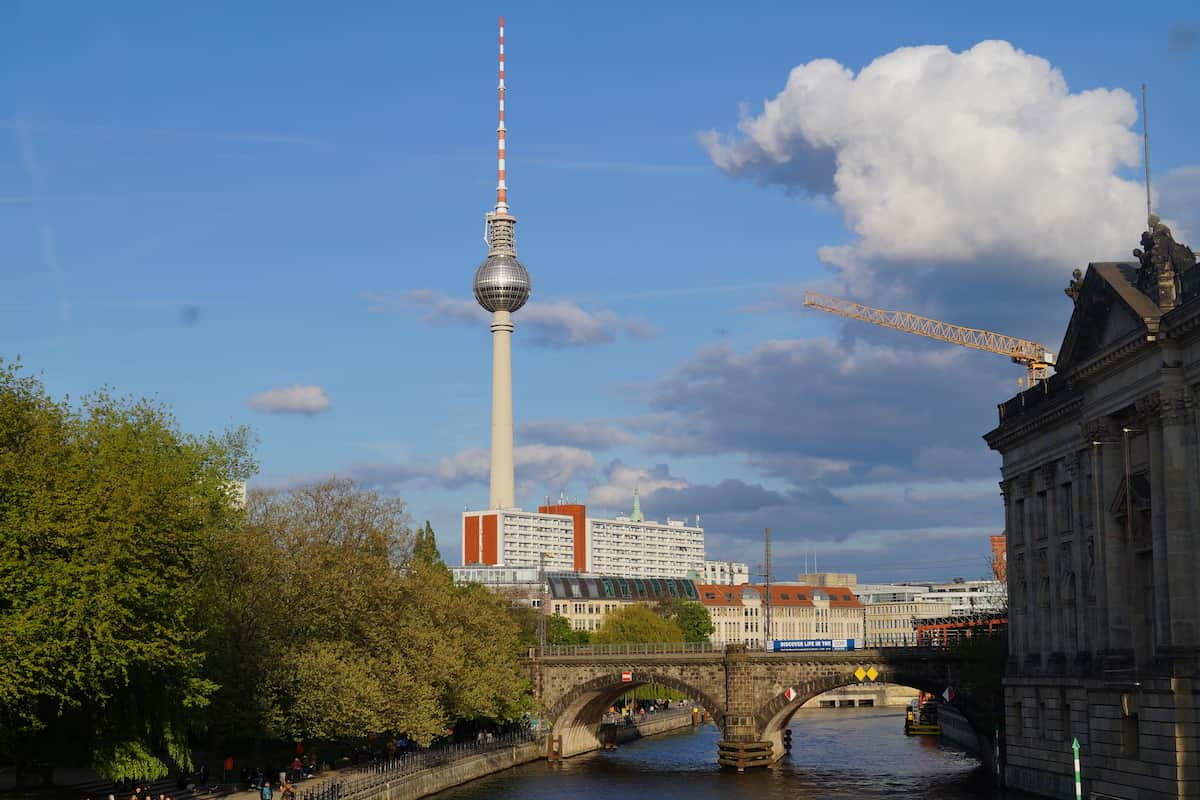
point(355, 623)
point(559, 632)
point(636, 624)
point(693, 619)
point(105, 511)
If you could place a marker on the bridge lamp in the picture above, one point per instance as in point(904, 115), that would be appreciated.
point(542, 556)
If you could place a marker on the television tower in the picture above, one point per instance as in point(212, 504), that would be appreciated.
point(501, 286)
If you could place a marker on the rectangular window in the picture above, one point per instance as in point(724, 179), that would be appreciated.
point(1066, 508)
point(1040, 524)
point(608, 588)
point(1018, 521)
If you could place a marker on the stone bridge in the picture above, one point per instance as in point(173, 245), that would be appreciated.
point(744, 691)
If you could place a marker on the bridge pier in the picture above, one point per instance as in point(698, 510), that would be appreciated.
point(741, 744)
point(740, 755)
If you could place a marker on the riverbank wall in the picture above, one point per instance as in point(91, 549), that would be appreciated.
point(455, 773)
point(446, 776)
point(654, 724)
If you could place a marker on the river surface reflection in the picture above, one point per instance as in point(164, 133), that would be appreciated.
point(837, 753)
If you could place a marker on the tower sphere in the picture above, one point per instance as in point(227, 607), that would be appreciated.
point(502, 283)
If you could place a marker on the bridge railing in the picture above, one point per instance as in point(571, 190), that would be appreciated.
point(897, 645)
point(648, 649)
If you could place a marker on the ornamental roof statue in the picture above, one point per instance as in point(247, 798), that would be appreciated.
point(1163, 263)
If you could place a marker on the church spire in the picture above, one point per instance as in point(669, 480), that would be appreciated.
point(637, 515)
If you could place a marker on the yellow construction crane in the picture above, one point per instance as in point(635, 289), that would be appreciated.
point(1036, 358)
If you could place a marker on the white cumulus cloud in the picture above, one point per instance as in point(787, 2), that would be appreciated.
point(951, 159)
point(297, 399)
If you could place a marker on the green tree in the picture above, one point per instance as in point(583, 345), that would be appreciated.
point(693, 619)
point(354, 625)
point(636, 624)
point(560, 632)
point(105, 511)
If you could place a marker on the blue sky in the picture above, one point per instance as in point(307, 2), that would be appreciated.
point(206, 203)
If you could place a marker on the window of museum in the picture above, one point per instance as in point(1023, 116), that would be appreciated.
point(1040, 524)
point(1066, 508)
point(1129, 735)
point(1018, 521)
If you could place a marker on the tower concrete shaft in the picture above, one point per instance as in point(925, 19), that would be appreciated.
point(502, 493)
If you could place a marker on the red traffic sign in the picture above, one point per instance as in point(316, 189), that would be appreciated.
point(790, 694)
point(626, 677)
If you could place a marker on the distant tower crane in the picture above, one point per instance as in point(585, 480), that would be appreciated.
point(1037, 359)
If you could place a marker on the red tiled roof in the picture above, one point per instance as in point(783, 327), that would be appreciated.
point(723, 595)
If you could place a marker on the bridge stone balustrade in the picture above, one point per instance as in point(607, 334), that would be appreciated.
point(743, 690)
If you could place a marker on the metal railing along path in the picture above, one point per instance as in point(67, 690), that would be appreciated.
point(354, 781)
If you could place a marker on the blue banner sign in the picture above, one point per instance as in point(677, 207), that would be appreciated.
point(789, 645)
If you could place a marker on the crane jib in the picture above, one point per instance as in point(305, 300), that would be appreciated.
point(1036, 358)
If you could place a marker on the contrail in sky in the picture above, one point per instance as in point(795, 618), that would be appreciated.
point(47, 239)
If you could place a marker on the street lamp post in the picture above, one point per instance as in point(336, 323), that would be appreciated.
point(542, 556)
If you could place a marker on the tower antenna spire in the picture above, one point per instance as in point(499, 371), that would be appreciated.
point(501, 186)
point(1146, 155)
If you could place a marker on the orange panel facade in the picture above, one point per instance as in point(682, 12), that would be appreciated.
point(999, 558)
point(490, 556)
point(471, 540)
point(578, 514)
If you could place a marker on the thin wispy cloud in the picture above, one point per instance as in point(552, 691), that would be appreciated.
point(145, 133)
point(547, 323)
point(619, 167)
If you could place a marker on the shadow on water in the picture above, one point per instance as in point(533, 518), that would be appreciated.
point(836, 754)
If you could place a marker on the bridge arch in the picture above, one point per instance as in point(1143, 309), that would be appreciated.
point(774, 715)
point(579, 712)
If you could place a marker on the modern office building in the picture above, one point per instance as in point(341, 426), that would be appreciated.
point(968, 598)
point(894, 623)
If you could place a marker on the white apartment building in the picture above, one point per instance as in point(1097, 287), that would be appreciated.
point(645, 549)
point(725, 573)
point(562, 537)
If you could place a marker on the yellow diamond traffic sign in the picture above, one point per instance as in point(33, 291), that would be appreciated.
point(860, 673)
point(872, 673)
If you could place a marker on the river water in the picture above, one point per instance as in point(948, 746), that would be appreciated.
point(859, 753)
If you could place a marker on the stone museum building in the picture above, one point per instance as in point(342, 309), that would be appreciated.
point(1101, 486)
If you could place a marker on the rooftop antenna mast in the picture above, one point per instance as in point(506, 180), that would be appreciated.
point(1146, 155)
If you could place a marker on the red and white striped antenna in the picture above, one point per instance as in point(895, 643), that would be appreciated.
point(501, 187)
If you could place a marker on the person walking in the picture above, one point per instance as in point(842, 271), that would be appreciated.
point(266, 793)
